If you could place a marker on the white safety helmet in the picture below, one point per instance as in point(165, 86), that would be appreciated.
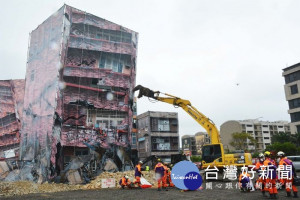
point(127, 177)
point(141, 162)
point(261, 155)
point(280, 154)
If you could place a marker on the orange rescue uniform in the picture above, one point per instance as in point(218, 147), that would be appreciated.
point(261, 181)
point(271, 180)
point(125, 182)
point(138, 174)
point(288, 182)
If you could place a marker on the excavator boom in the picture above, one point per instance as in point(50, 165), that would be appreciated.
point(186, 105)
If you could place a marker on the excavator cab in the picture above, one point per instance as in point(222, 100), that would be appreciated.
point(211, 153)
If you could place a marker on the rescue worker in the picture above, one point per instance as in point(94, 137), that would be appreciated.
point(261, 181)
point(284, 161)
point(147, 168)
point(270, 170)
point(244, 182)
point(159, 174)
point(138, 173)
point(125, 182)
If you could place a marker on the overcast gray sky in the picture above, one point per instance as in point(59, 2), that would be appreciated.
point(197, 50)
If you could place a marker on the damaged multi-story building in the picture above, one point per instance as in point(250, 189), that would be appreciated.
point(11, 106)
point(158, 135)
point(80, 74)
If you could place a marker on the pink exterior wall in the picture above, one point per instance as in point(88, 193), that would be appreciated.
point(81, 66)
point(42, 85)
point(11, 105)
point(60, 86)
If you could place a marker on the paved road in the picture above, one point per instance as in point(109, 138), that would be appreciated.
point(143, 194)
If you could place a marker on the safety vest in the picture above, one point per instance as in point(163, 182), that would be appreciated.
point(138, 170)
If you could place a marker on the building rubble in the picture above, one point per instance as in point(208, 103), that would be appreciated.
point(28, 187)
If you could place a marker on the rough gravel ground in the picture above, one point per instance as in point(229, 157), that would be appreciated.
point(151, 193)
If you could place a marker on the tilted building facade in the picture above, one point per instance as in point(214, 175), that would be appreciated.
point(80, 74)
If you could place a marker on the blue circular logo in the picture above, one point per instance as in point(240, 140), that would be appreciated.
point(186, 176)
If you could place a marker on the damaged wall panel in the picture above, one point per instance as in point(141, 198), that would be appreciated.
point(99, 76)
point(42, 93)
point(11, 105)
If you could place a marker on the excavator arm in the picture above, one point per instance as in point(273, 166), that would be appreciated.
point(186, 105)
point(212, 154)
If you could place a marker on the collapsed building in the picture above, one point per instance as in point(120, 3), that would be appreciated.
point(78, 97)
point(11, 106)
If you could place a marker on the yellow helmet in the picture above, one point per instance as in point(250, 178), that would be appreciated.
point(267, 153)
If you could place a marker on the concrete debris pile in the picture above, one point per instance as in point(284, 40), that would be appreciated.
point(96, 183)
point(27, 187)
point(80, 170)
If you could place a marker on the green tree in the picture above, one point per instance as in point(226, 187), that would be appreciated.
point(195, 158)
point(255, 155)
point(240, 141)
point(281, 137)
point(295, 138)
point(287, 147)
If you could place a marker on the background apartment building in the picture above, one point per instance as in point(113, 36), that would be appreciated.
point(158, 135)
point(261, 131)
point(188, 143)
point(80, 74)
point(192, 144)
point(292, 83)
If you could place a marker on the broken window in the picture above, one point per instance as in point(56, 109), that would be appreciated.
point(5, 91)
point(163, 124)
point(81, 152)
point(114, 36)
point(8, 119)
point(113, 61)
point(160, 144)
point(102, 34)
point(133, 139)
point(105, 119)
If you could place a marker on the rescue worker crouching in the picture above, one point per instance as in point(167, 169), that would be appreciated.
point(159, 174)
point(244, 182)
point(138, 173)
point(285, 165)
point(125, 182)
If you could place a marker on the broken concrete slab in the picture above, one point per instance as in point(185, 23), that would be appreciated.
point(74, 177)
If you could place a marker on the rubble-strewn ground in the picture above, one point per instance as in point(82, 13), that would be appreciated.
point(28, 190)
point(143, 194)
point(26, 187)
point(149, 176)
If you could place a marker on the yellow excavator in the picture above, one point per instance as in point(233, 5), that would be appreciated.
point(213, 153)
